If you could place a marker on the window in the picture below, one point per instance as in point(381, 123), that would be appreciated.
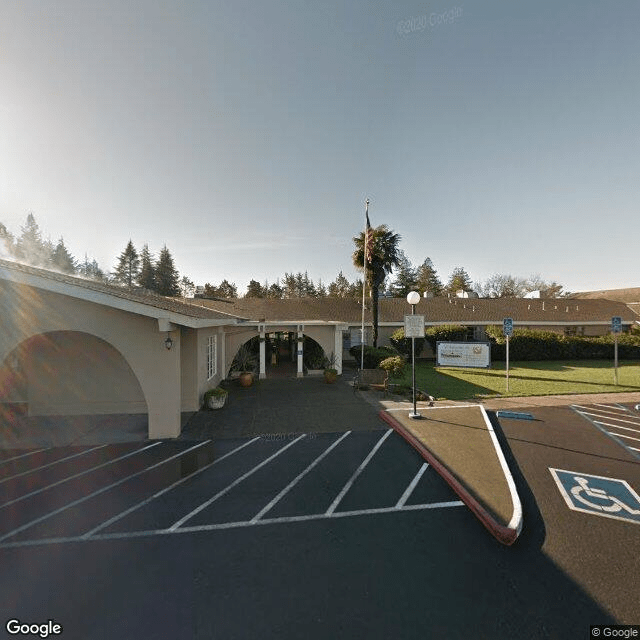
point(212, 359)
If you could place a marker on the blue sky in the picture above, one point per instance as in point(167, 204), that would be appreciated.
point(496, 136)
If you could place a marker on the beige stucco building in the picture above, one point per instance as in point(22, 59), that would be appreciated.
point(70, 346)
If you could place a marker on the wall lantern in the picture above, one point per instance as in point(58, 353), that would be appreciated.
point(168, 343)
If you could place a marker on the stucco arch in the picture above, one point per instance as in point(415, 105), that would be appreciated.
point(72, 373)
point(29, 311)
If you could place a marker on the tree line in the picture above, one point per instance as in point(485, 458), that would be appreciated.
point(389, 272)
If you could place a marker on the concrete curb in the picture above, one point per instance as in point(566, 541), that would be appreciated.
point(506, 535)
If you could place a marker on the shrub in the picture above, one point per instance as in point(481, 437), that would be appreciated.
point(403, 345)
point(445, 333)
point(373, 356)
point(393, 365)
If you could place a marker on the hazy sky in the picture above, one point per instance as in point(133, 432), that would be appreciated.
point(503, 137)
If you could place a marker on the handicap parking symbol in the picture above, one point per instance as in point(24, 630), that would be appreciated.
point(600, 496)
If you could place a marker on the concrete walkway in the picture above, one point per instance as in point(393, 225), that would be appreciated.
point(285, 406)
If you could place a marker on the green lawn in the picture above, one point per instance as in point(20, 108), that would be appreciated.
point(525, 379)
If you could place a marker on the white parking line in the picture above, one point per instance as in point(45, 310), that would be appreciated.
point(77, 475)
point(597, 415)
point(96, 493)
point(234, 525)
point(51, 464)
point(412, 485)
point(228, 488)
point(620, 435)
point(24, 455)
point(615, 407)
point(357, 472)
point(617, 426)
point(135, 507)
point(298, 478)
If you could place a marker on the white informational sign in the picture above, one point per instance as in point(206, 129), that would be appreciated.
point(507, 326)
point(463, 354)
point(616, 324)
point(414, 326)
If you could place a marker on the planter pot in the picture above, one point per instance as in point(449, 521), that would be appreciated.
point(330, 376)
point(217, 402)
point(245, 379)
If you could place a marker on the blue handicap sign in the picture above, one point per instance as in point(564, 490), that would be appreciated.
point(507, 326)
point(600, 496)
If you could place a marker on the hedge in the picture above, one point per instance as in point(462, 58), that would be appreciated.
point(372, 356)
point(403, 345)
point(445, 333)
point(532, 344)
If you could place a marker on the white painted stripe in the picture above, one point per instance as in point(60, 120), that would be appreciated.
point(96, 493)
point(24, 455)
point(77, 475)
point(51, 464)
point(617, 426)
point(615, 407)
point(613, 426)
point(357, 472)
point(633, 448)
point(165, 490)
point(596, 415)
point(299, 477)
point(516, 519)
point(620, 435)
point(234, 525)
point(412, 485)
point(228, 488)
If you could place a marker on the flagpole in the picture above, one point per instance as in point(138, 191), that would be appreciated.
point(364, 281)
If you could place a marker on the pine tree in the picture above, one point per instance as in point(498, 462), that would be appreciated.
point(340, 287)
point(167, 276)
point(128, 267)
point(147, 275)
point(459, 280)
point(427, 279)
point(6, 242)
point(62, 260)
point(406, 277)
point(255, 290)
point(30, 247)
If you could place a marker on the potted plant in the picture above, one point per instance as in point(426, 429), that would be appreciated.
point(330, 371)
point(215, 398)
point(245, 362)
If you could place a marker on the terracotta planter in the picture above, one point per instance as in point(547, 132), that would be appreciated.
point(245, 379)
point(330, 376)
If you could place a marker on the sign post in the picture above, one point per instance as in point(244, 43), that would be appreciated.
point(413, 328)
point(507, 330)
point(616, 327)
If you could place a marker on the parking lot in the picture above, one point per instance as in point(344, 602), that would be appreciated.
point(346, 534)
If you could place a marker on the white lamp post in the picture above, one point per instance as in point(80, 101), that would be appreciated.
point(413, 298)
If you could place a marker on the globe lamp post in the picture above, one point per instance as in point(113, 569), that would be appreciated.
point(413, 298)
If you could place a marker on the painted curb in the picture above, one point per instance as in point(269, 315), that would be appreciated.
point(506, 535)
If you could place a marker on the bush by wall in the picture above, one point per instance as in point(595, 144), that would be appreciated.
point(403, 345)
point(372, 356)
point(532, 344)
point(445, 333)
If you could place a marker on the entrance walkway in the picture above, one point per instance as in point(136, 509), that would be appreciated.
point(285, 406)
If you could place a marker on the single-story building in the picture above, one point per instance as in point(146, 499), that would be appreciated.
point(70, 346)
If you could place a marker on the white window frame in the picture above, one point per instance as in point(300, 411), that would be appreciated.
point(212, 356)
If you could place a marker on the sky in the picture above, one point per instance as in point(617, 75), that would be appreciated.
point(497, 136)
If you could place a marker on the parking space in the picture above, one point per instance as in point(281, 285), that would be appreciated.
point(156, 488)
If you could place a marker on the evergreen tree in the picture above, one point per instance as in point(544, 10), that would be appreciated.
point(275, 291)
point(128, 267)
point(340, 287)
point(289, 285)
point(30, 247)
point(147, 274)
point(227, 290)
point(255, 290)
point(427, 279)
point(6, 242)
point(459, 280)
point(406, 277)
point(167, 276)
point(62, 260)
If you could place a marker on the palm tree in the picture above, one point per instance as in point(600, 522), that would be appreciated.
point(385, 255)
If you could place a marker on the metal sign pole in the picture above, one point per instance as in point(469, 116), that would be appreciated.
point(507, 364)
point(615, 358)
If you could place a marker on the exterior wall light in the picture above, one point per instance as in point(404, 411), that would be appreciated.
point(168, 343)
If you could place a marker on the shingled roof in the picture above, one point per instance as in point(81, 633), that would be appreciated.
point(435, 310)
point(149, 299)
